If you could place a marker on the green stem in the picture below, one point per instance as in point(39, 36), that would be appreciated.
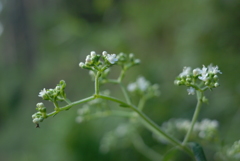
point(144, 149)
point(67, 101)
point(122, 74)
point(141, 103)
point(150, 123)
point(97, 82)
point(112, 81)
point(195, 116)
point(125, 93)
point(70, 105)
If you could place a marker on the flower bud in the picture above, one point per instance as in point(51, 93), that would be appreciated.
point(40, 105)
point(104, 53)
point(37, 120)
point(88, 60)
point(216, 84)
point(63, 83)
point(93, 53)
point(215, 77)
point(177, 82)
point(137, 61)
point(188, 79)
point(81, 64)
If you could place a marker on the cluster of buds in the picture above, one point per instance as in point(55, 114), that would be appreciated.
point(56, 94)
point(40, 115)
point(127, 60)
point(94, 63)
point(199, 79)
point(205, 130)
point(144, 87)
point(53, 95)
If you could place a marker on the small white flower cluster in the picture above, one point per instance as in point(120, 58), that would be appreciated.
point(56, 94)
point(111, 58)
point(206, 129)
point(142, 86)
point(234, 150)
point(207, 77)
point(93, 62)
point(90, 60)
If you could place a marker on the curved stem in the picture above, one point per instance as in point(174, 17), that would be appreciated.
point(150, 123)
point(195, 116)
point(70, 105)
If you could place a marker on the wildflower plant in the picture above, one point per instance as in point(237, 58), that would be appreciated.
point(180, 133)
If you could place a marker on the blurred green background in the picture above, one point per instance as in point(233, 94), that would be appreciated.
point(43, 41)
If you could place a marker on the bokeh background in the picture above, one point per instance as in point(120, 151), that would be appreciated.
point(43, 41)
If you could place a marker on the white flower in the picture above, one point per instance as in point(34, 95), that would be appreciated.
point(213, 70)
point(111, 58)
point(132, 87)
point(142, 83)
point(42, 93)
point(186, 71)
point(204, 74)
point(197, 71)
point(191, 91)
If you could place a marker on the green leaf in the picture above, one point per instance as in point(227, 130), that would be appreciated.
point(197, 151)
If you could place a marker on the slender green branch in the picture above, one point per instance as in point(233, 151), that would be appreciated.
point(112, 81)
point(195, 116)
point(125, 93)
point(97, 82)
point(70, 105)
point(122, 74)
point(150, 123)
point(141, 103)
point(67, 101)
point(56, 106)
point(144, 149)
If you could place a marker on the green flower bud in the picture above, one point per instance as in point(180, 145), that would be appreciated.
point(63, 83)
point(216, 84)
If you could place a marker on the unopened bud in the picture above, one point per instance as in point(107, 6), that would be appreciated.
point(93, 53)
point(40, 105)
point(81, 64)
point(104, 53)
point(216, 84)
